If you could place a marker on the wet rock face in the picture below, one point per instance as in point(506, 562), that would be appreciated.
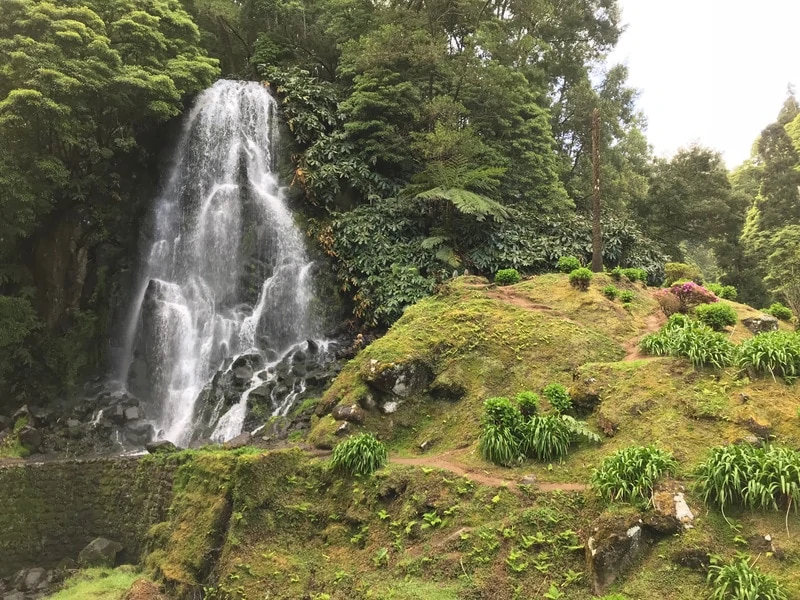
point(274, 386)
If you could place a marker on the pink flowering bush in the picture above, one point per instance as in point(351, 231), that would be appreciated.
point(690, 295)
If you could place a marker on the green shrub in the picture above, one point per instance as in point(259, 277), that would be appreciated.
point(776, 353)
point(528, 403)
point(630, 474)
point(675, 272)
point(547, 437)
point(580, 278)
point(686, 338)
point(567, 264)
point(501, 412)
point(507, 277)
point(779, 311)
point(362, 454)
point(634, 275)
point(751, 477)
point(626, 296)
point(558, 397)
point(610, 292)
point(740, 580)
point(717, 316)
point(726, 292)
point(500, 445)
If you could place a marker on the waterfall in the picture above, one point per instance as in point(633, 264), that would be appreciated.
point(225, 271)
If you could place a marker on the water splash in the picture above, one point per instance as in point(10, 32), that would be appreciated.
point(225, 271)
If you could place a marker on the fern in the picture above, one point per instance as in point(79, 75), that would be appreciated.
point(466, 202)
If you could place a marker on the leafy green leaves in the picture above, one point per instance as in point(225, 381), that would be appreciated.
point(741, 580)
point(630, 474)
point(751, 477)
point(776, 353)
point(362, 455)
point(684, 337)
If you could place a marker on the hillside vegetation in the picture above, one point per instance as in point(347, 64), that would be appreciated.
point(439, 521)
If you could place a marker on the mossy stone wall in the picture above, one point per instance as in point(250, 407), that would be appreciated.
point(50, 511)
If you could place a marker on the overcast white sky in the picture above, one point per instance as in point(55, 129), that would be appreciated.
point(710, 71)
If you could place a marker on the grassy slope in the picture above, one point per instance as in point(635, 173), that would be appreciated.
point(281, 525)
point(97, 584)
point(499, 341)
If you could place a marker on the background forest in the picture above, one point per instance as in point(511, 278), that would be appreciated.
point(427, 137)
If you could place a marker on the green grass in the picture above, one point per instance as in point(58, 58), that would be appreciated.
point(97, 584)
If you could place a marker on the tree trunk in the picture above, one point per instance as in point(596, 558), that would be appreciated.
point(597, 235)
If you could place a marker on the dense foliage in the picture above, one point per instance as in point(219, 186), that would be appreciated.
point(84, 87)
point(388, 254)
point(717, 316)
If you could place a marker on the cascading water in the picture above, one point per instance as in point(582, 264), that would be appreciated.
point(226, 272)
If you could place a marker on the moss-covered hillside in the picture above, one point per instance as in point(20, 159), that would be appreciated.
point(438, 521)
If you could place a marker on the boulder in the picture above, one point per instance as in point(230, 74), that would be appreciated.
point(23, 412)
point(161, 447)
point(30, 580)
point(14, 596)
point(670, 508)
point(585, 395)
point(608, 426)
point(344, 429)
point(100, 552)
point(611, 551)
point(761, 324)
point(115, 414)
point(30, 438)
point(353, 414)
point(239, 441)
point(696, 559)
point(402, 380)
point(133, 413)
point(5, 422)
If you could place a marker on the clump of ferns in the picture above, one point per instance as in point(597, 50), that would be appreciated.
point(359, 455)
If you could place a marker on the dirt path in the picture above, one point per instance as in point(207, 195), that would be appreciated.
point(652, 324)
point(479, 475)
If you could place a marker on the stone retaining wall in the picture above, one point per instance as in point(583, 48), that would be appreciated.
point(50, 511)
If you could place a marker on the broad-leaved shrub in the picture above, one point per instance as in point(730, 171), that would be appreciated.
point(580, 278)
point(507, 277)
point(717, 316)
point(567, 264)
point(558, 396)
point(779, 311)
